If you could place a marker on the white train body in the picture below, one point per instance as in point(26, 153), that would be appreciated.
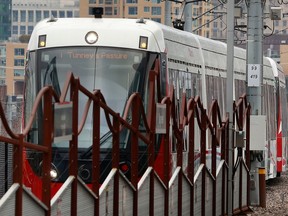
point(191, 63)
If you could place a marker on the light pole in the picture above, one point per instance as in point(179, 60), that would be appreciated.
point(229, 99)
point(254, 55)
point(188, 14)
point(178, 23)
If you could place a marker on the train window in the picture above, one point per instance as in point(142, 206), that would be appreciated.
point(223, 94)
point(284, 111)
point(240, 88)
point(51, 76)
point(268, 111)
point(183, 82)
point(198, 90)
point(210, 89)
point(216, 90)
point(30, 92)
point(112, 70)
point(272, 107)
point(269, 102)
point(163, 75)
point(188, 81)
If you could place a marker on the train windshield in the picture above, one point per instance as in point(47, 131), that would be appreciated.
point(116, 72)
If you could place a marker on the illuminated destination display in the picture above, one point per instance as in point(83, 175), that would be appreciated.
point(89, 55)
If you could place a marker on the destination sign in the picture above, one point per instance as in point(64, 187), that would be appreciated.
point(89, 55)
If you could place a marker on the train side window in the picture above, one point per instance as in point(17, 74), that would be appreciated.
point(198, 84)
point(30, 94)
point(210, 88)
point(195, 85)
point(189, 85)
point(272, 111)
point(223, 95)
point(269, 102)
point(173, 80)
point(265, 109)
point(182, 81)
point(163, 71)
point(51, 76)
point(284, 111)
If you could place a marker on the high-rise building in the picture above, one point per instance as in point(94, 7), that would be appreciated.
point(24, 16)
point(5, 19)
point(125, 9)
point(12, 59)
point(208, 20)
point(150, 9)
point(26, 13)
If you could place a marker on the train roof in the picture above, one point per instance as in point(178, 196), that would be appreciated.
point(67, 31)
point(277, 70)
point(61, 32)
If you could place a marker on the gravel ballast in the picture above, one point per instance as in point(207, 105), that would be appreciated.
point(276, 198)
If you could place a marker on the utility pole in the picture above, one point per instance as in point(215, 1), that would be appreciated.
point(168, 20)
point(229, 99)
point(255, 55)
point(254, 49)
point(188, 16)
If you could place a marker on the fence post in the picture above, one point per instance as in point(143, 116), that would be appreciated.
point(191, 157)
point(151, 116)
point(248, 151)
point(203, 156)
point(115, 162)
point(134, 151)
point(166, 156)
point(214, 153)
point(17, 174)
point(73, 156)
point(48, 131)
point(96, 153)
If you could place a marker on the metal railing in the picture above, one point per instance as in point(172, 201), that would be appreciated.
point(192, 115)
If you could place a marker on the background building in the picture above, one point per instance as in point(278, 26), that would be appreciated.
point(21, 16)
point(26, 13)
point(153, 9)
point(12, 60)
point(150, 9)
point(208, 20)
point(5, 19)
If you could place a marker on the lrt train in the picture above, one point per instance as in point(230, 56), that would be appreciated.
point(116, 55)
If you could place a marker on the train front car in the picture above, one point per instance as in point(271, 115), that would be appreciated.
point(118, 65)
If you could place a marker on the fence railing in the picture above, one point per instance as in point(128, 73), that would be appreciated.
point(192, 115)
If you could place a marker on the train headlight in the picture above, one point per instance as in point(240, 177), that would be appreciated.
point(143, 42)
point(53, 174)
point(91, 37)
point(42, 41)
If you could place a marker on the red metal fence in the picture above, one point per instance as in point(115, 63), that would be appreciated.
point(210, 199)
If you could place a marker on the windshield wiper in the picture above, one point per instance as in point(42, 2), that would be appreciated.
point(103, 139)
point(51, 72)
